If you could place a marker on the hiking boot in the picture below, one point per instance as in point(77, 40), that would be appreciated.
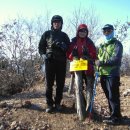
point(113, 121)
point(58, 107)
point(107, 118)
point(49, 109)
point(110, 117)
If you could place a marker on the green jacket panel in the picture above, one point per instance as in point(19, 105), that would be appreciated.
point(110, 55)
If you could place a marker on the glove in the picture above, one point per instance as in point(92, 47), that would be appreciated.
point(85, 53)
point(75, 53)
point(99, 63)
point(60, 45)
point(50, 55)
point(43, 57)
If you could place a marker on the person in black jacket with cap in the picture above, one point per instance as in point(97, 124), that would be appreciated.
point(52, 47)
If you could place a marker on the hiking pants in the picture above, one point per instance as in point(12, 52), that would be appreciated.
point(55, 70)
point(110, 86)
point(89, 90)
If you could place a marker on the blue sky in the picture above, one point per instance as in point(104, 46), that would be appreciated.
point(108, 10)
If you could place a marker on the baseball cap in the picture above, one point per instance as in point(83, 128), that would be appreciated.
point(108, 26)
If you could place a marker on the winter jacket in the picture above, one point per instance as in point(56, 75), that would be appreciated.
point(87, 42)
point(110, 55)
point(54, 44)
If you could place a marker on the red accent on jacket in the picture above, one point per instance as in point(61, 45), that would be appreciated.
point(91, 48)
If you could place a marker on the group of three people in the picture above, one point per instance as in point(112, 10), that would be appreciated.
point(55, 47)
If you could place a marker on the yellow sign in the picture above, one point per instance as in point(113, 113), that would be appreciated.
point(78, 65)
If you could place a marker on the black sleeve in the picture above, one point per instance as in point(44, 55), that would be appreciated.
point(67, 41)
point(42, 44)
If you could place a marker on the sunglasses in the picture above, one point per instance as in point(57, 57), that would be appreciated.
point(83, 30)
point(107, 30)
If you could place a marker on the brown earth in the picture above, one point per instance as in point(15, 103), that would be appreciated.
point(26, 111)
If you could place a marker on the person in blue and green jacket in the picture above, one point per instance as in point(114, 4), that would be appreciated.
point(109, 62)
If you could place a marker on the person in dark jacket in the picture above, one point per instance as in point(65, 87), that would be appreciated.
point(83, 47)
point(52, 47)
point(110, 55)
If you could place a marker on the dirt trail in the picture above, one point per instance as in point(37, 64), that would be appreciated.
point(17, 114)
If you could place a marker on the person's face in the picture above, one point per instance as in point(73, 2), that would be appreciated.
point(82, 33)
point(56, 24)
point(107, 31)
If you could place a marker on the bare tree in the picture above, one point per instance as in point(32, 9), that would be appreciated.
point(87, 16)
point(121, 30)
point(19, 40)
point(125, 67)
point(122, 34)
point(42, 23)
point(18, 43)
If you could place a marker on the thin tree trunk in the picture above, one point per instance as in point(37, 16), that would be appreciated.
point(80, 100)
